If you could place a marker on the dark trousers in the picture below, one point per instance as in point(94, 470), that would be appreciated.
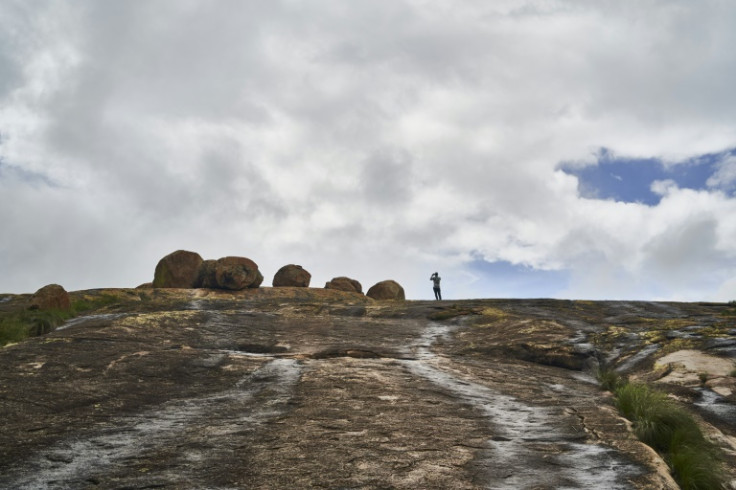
point(437, 293)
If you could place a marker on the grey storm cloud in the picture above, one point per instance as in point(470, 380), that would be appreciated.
point(368, 138)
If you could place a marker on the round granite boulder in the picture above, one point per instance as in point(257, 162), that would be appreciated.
point(388, 289)
point(50, 297)
point(292, 276)
point(343, 283)
point(207, 277)
point(179, 269)
point(236, 273)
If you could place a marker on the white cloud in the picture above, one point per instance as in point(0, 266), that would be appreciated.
point(375, 139)
point(725, 176)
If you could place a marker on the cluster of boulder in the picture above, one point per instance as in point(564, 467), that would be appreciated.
point(184, 269)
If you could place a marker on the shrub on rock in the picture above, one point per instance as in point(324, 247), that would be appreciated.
point(179, 269)
point(236, 273)
point(388, 289)
point(50, 297)
point(343, 283)
point(292, 276)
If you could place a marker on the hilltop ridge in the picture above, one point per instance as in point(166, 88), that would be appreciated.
point(300, 387)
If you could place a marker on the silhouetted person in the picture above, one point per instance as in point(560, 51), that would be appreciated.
point(435, 278)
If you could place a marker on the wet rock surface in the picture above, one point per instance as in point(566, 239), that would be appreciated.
point(305, 387)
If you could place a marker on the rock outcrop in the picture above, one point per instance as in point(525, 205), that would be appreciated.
point(236, 273)
point(292, 276)
point(343, 283)
point(187, 270)
point(179, 269)
point(388, 289)
point(239, 385)
point(50, 297)
point(207, 277)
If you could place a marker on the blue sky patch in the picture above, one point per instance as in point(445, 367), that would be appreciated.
point(630, 179)
point(503, 279)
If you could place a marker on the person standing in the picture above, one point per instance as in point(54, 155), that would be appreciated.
point(435, 278)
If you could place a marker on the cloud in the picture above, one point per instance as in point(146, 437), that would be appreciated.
point(374, 139)
point(725, 176)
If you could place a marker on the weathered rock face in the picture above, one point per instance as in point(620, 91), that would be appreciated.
point(50, 297)
point(179, 269)
point(311, 387)
point(237, 273)
point(207, 275)
point(345, 284)
point(292, 276)
point(388, 289)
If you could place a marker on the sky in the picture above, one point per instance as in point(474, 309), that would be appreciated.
point(521, 148)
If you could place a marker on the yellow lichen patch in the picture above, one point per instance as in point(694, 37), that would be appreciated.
point(542, 326)
point(611, 334)
point(674, 323)
point(154, 319)
point(677, 344)
point(495, 313)
point(50, 340)
point(716, 331)
point(614, 331)
point(653, 336)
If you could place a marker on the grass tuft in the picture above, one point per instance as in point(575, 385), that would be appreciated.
point(84, 304)
point(21, 324)
point(693, 468)
point(610, 380)
point(668, 428)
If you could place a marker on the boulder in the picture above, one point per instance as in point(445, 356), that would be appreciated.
point(343, 283)
point(292, 276)
point(207, 277)
point(145, 285)
point(388, 289)
point(50, 297)
point(179, 269)
point(236, 273)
